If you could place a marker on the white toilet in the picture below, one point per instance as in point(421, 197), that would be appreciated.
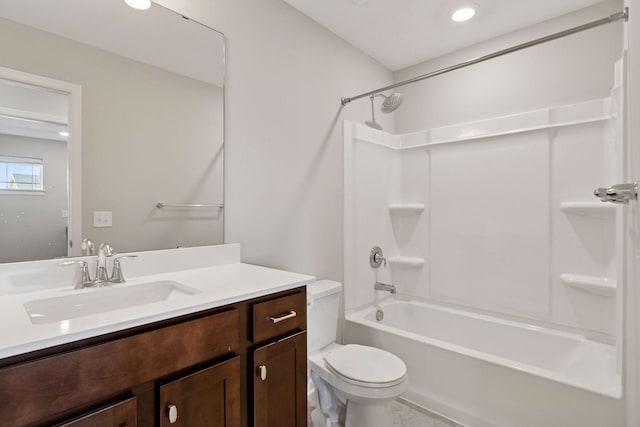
point(354, 384)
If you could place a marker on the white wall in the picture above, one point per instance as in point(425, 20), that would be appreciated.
point(32, 226)
point(283, 148)
point(573, 69)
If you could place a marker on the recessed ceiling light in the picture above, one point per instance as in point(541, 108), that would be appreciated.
point(139, 4)
point(63, 133)
point(463, 14)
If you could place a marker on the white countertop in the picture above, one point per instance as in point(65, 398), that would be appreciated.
point(216, 285)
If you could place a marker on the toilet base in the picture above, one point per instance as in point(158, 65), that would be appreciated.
point(377, 414)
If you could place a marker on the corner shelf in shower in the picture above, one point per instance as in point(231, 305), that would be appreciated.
point(406, 262)
point(591, 209)
point(595, 285)
point(406, 207)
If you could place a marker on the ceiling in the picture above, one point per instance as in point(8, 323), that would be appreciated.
point(401, 33)
point(32, 111)
point(156, 36)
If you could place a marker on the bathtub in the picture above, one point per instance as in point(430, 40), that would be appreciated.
point(489, 372)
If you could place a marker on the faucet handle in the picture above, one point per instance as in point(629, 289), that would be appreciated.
point(88, 247)
point(376, 257)
point(85, 278)
point(106, 250)
point(116, 275)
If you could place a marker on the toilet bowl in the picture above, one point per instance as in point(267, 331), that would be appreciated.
point(354, 384)
point(363, 380)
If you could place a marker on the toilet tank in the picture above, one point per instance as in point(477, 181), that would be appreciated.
point(323, 301)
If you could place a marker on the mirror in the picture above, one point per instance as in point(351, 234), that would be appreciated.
point(132, 104)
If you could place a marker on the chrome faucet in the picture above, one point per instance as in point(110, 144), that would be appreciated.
point(102, 277)
point(379, 286)
point(104, 250)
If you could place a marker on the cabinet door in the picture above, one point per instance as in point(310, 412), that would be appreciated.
point(280, 383)
point(207, 398)
point(122, 414)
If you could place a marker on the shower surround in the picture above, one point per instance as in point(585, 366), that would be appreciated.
point(495, 218)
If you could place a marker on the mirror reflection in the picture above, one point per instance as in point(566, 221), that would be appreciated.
point(111, 128)
point(33, 172)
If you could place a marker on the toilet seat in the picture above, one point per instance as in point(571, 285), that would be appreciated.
point(345, 389)
point(366, 366)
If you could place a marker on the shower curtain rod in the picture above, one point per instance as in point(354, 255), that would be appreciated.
point(612, 18)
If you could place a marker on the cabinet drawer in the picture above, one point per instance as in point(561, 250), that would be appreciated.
point(279, 316)
point(117, 415)
point(70, 380)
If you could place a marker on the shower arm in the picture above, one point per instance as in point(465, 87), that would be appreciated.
point(624, 15)
point(373, 110)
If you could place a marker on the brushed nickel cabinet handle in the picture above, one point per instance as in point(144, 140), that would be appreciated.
point(172, 413)
point(262, 372)
point(289, 315)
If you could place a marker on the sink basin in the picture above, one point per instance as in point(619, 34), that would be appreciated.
point(101, 300)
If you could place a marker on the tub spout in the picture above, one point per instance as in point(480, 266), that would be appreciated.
point(379, 286)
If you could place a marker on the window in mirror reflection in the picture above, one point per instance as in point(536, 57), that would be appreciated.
point(20, 174)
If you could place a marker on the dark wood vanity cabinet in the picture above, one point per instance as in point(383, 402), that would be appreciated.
point(54, 388)
point(192, 370)
point(207, 398)
point(279, 366)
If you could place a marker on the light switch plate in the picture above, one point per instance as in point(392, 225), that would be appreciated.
point(102, 219)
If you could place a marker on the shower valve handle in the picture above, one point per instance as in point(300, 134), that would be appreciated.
point(376, 257)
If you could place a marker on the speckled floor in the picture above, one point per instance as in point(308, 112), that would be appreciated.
point(406, 415)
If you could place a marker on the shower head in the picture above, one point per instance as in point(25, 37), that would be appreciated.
point(391, 102)
point(389, 105)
